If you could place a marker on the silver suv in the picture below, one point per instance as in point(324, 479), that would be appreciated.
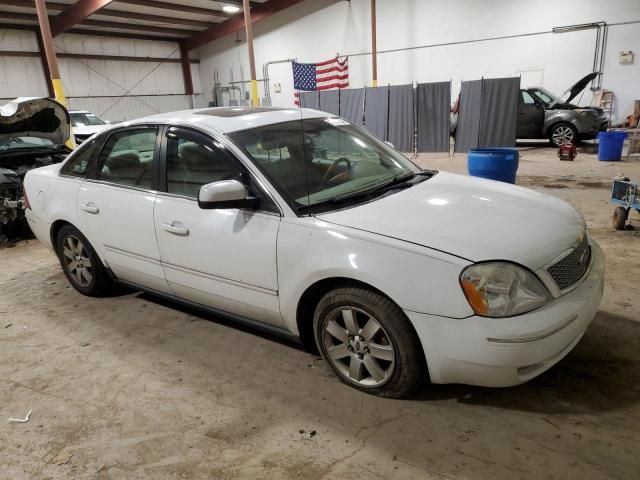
point(543, 115)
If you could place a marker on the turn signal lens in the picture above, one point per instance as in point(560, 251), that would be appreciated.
point(502, 289)
point(475, 297)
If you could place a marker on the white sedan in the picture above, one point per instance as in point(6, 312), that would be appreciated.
point(298, 222)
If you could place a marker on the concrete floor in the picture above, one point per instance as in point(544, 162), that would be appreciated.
point(130, 387)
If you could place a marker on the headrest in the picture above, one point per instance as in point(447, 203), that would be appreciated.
point(189, 148)
point(124, 159)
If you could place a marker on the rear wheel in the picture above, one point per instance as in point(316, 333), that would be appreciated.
point(619, 218)
point(563, 133)
point(81, 264)
point(368, 342)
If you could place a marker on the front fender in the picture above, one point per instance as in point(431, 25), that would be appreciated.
point(414, 277)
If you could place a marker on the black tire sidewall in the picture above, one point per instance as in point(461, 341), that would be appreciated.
point(407, 349)
point(99, 280)
point(564, 124)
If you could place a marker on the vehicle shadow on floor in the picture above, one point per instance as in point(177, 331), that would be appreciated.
point(602, 373)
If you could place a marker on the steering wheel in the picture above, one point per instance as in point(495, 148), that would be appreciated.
point(329, 178)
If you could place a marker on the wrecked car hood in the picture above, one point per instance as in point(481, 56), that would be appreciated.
point(576, 89)
point(34, 117)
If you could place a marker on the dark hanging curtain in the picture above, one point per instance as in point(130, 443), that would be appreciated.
point(376, 111)
point(499, 112)
point(433, 106)
point(468, 126)
point(401, 117)
point(310, 100)
point(352, 105)
point(330, 101)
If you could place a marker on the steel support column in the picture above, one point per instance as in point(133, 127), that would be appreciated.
point(49, 52)
point(374, 53)
point(255, 101)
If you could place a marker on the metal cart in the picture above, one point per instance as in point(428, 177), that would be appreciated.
point(626, 195)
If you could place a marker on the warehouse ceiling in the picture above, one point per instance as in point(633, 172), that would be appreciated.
point(193, 22)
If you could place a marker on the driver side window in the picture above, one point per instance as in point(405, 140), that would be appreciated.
point(192, 164)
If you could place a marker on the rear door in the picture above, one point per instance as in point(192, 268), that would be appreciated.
point(115, 206)
point(223, 258)
point(530, 116)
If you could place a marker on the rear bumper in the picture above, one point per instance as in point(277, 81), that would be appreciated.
point(39, 227)
point(501, 352)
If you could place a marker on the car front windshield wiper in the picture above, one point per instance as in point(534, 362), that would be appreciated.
point(397, 182)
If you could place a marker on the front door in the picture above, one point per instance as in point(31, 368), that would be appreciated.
point(530, 116)
point(115, 207)
point(224, 258)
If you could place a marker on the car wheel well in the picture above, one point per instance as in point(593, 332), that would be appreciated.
point(555, 124)
point(310, 299)
point(55, 228)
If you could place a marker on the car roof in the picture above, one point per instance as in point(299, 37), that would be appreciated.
point(231, 119)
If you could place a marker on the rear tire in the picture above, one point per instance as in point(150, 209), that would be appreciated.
point(369, 343)
point(81, 264)
point(562, 133)
point(619, 218)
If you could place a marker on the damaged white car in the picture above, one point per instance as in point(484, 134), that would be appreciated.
point(32, 134)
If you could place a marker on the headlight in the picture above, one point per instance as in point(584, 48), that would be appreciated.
point(501, 289)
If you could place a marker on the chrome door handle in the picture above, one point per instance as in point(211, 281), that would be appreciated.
point(180, 231)
point(89, 208)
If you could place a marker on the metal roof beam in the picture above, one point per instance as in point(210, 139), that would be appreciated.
point(258, 12)
point(74, 14)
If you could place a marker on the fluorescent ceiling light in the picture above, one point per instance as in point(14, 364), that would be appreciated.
point(230, 9)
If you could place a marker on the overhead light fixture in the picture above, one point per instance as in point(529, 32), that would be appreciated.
point(230, 8)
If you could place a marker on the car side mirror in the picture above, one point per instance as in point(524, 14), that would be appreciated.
point(225, 194)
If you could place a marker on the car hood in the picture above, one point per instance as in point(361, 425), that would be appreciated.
point(34, 117)
point(472, 218)
point(576, 89)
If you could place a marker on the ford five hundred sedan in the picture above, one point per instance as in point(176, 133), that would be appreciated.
point(299, 222)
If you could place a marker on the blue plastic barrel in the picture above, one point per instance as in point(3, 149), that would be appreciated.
point(610, 146)
point(493, 163)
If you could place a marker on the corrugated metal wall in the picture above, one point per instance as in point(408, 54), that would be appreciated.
point(117, 90)
point(135, 106)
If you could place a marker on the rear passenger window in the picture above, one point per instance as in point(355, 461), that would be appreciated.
point(78, 164)
point(127, 158)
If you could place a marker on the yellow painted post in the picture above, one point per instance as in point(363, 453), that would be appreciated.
point(255, 101)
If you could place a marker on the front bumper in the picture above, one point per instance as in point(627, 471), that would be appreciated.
point(501, 352)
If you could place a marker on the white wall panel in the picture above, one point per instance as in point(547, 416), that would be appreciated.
point(316, 30)
point(20, 76)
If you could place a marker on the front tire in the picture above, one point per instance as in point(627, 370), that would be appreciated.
point(369, 343)
point(619, 218)
point(563, 133)
point(81, 264)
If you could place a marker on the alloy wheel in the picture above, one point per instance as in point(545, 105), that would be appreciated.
point(77, 261)
point(562, 135)
point(358, 347)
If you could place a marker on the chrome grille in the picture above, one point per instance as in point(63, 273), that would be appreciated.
point(572, 268)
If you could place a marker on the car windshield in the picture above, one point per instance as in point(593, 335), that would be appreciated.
point(316, 161)
point(16, 143)
point(85, 119)
point(546, 97)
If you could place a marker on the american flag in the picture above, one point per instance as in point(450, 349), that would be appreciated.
point(310, 77)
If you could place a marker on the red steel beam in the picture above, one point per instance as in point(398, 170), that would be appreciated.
point(104, 24)
point(45, 64)
point(108, 12)
point(95, 33)
point(186, 70)
point(88, 56)
point(180, 8)
point(259, 12)
point(74, 14)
